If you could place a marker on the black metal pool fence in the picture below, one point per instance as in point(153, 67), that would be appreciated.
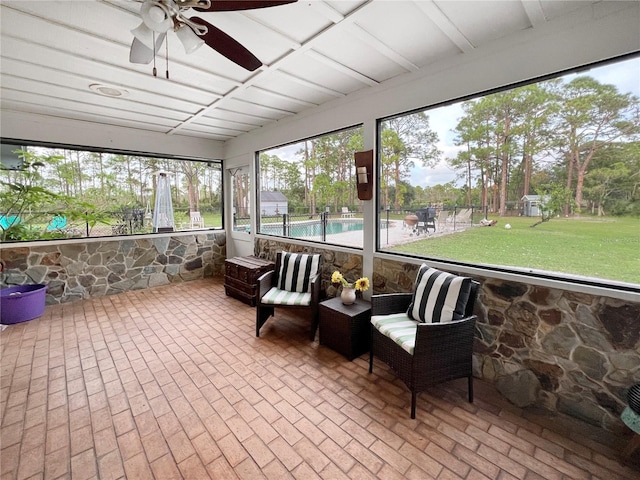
point(316, 226)
point(319, 225)
point(297, 225)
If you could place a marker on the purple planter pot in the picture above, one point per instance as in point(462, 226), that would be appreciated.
point(22, 303)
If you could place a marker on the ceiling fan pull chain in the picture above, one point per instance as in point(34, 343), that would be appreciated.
point(166, 53)
point(155, 72)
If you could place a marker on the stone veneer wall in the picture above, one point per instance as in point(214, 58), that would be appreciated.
point(349, 264)
point(77, 270)
point(560, 350)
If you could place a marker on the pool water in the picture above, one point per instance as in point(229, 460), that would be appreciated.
point(312, 229)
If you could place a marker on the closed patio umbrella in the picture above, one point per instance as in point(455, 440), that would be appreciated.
point(163, 211)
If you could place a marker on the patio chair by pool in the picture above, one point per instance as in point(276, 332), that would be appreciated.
point(443, 219)
point(294, 283)
point(196, 220)
point(9, 221)
point(426, 337)
point(57, 223)
point(463, 217)
point(346, 213)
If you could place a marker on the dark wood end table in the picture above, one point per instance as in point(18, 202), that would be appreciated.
point(345, 328)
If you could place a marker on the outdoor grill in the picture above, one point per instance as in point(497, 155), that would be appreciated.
point(426, 220)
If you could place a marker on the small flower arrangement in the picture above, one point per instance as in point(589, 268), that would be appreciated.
point(362, 284)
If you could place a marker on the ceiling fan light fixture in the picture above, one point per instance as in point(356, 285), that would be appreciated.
point(156, 16)
point(189, 39)
point(144, 34)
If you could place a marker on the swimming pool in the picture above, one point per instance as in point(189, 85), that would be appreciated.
point(312, 229)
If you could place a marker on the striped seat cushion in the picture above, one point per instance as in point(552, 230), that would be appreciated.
point(438, 296)
point(296, 270)
point(275, 296)
point(399, 328)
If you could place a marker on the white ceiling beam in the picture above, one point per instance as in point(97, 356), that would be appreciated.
point(64, 106)
point(383, 48)
point(307, 83)
point(294, 45)
point(258, 118)
point(241, 126)
point(202, 132)
point(280, 96)
point(533, 9)
point(276, 110)
point(326, 11)
point(341, 68)
point(432, 11)
point(219, 129)
point(206, 112)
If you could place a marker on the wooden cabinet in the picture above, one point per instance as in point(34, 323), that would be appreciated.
point(241, 275)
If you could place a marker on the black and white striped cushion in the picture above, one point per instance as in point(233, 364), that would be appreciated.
point(296, 270)
point(438, 296)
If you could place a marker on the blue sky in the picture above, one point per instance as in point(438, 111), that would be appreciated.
point(625, 75)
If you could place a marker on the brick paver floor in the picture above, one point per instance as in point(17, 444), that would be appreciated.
point(171, 382)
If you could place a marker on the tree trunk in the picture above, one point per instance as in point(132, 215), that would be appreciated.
point(527, 174)
point(469, 182)
point(582, 170)
point(569, 181)
point(396, 179)
point(79, 167)
point(503, 185)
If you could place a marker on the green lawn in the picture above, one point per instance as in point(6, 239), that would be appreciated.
point(212, 220)
point(596, 247)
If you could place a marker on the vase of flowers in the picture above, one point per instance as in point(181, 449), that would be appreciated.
point(348, 294)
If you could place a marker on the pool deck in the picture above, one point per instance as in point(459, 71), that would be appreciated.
point(397, 234)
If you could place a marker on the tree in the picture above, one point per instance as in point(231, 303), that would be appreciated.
point(537, 103)
point(241, 185)
point(553, 198)
point(391, 150)
point(495, 130)
point(23, 196)
point(406, 140)
point(475, 132)
point(446, 193)
point(601, 183)
point(593, 115)
point(506, 112)
point(612, 181)
point(29, 207)
point(193, 172)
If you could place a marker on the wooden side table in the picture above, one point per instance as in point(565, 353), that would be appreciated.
point(345, 328)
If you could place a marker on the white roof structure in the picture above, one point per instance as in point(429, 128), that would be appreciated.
point(65, 63)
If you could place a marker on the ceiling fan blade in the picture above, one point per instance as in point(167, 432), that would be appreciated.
point(227, 46)
point(140, 53)
point(232, 5)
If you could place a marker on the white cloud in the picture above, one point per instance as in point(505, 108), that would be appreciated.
point(625, 75)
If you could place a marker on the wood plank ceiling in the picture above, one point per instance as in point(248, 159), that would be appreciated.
point(56, 54)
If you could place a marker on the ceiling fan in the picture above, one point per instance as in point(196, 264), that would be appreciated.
point(161, 16)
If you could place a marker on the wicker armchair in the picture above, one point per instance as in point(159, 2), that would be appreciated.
point(442, 352)
point(269, 296)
